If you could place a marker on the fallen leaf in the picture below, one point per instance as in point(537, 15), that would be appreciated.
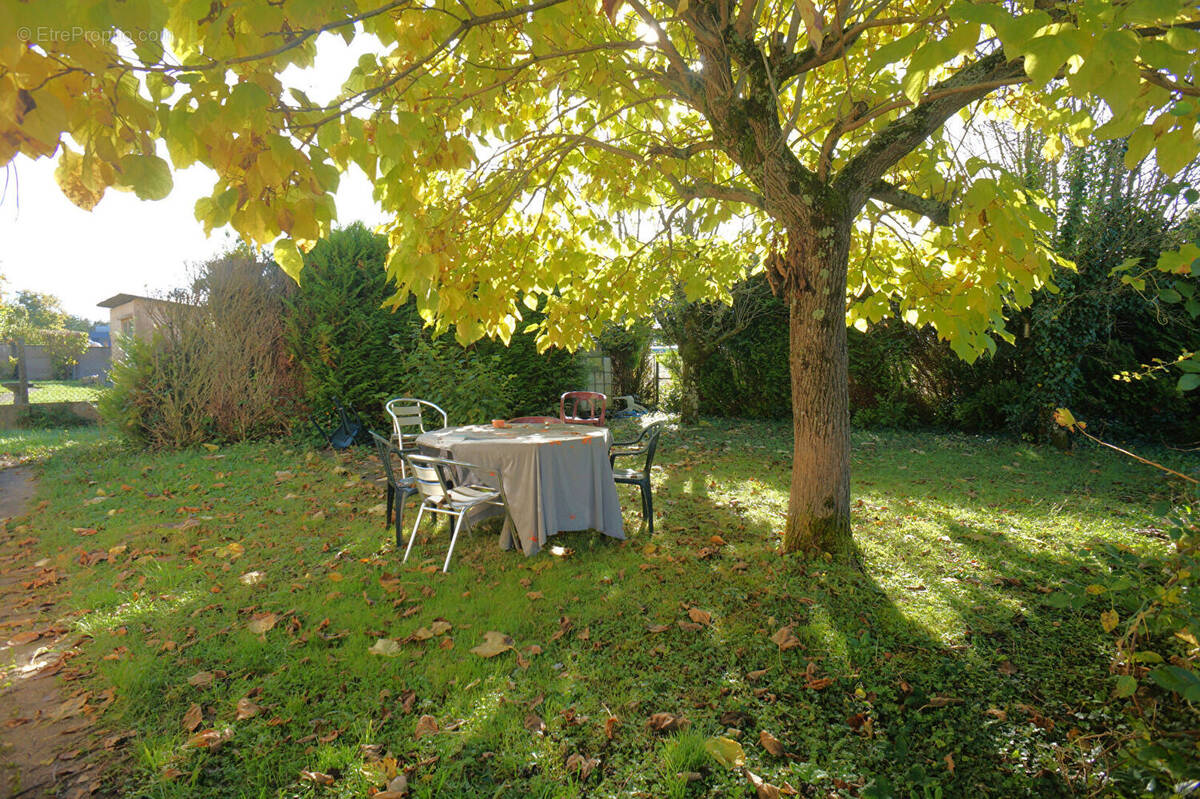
point(1007, 667)
point(20, 639)
point(726, 751)
point(770, 743)
point(201, 679)
point(785, 639)
point(493, 644)
point(246, 709)
point(666, 722)
point(439, 627)
point(421, 634)
point(398, 792)
point(758, 674)
point(534, 724)
point(949, 762)
point(584, 765)
point(210, 739)
point(762, 788)
point(997, 713)
point(388, 647)
point(658, 628)
point(610, 726)
point(320, 778)
point(564, 626)
point(700, 616)
point(736, 718)
point(261, 622)
point(688, 626)
point(534, 595)
point(426, 725)
point(252, 578)
point(193, 717)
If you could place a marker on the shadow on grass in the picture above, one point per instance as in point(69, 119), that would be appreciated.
point(892, 681)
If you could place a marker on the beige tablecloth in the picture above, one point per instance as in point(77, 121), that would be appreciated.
point(556, 477)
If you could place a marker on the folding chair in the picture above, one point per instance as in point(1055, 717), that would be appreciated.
point(408, 421)
point(435, 481)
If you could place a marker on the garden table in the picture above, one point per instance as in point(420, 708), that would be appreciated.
point(556, 476)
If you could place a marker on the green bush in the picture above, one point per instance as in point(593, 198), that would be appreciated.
point(339, 331)
point(350, 344)
point(469, 386)
point(748, 377)
point(536, 380)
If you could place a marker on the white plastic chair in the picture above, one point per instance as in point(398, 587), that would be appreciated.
point(434, 478)
point(408, 422)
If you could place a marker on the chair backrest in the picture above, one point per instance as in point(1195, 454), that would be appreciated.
point(386, 451)
point(651, 434)
point(429, 474)
point(583, 407)
point(408, 416)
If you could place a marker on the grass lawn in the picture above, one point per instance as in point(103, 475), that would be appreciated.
point(56, 391)
point(229, 601)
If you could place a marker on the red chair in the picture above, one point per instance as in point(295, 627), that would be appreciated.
point(534, 420)
point(583, 407)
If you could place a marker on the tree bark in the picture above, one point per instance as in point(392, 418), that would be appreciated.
point(815, 288)
point(689, 385)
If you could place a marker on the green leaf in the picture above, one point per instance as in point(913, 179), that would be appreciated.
point(1126, 686)
point(1178, 679)
point(1044, 55)
point(1188, 382)
point(148, 175)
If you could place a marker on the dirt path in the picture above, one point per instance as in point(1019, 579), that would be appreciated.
point(44, 749)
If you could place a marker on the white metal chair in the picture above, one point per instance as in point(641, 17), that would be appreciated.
point(434, 480)
point(408, 421)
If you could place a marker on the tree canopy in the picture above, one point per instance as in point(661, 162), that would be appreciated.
point(528, 147)
point(536, 153)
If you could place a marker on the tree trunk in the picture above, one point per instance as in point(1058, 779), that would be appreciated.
point(813, 277)
point(689, 385)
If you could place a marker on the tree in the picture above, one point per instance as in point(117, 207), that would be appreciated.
point(526, 148)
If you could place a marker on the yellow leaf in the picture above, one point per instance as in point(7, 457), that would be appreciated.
point(726, 751)
point(493, 644)
point(261, 622)
point(1109, 620)
point(289, 259)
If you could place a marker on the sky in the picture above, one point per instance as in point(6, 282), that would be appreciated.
point(131, 246)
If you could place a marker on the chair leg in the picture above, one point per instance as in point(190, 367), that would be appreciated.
point(453, 539)
point(648, 506)
point(391, 498)
point(402, 495)
point(413, 535)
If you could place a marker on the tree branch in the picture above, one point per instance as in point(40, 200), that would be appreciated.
point(935, 211)
point(698, 189)
point(897, 139)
